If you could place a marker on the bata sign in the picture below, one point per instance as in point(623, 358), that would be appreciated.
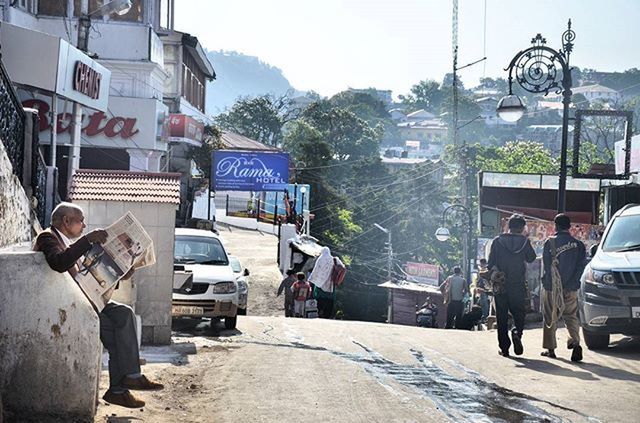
point(97, 122)
point(86, 80)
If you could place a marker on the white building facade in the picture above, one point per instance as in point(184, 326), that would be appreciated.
point(132, 133)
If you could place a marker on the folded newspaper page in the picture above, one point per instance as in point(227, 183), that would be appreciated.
point(128, 246)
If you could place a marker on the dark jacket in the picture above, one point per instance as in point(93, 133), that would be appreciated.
point(571, 261)
point(59, 257)
point(509, 252)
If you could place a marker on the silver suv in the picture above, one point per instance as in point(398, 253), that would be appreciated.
point(609, 296)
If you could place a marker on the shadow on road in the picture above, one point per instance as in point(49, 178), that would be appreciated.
point(547, 366)
point(207, 328)
point(624, 348)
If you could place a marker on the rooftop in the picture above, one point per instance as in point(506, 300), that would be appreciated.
point(233, 141)
point(122, 185)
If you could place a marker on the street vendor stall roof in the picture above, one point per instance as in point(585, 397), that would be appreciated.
point(306, 244)
point(411, 286)
point(233, 141)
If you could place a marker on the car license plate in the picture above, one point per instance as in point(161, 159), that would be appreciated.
point(186, 310)
point(635, 312)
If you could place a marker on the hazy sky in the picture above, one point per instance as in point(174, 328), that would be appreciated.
point(330, 45)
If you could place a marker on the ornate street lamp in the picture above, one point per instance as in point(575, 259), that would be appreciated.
point(443, 234)
point(541, 70)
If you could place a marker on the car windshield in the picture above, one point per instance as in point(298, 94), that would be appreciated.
point(199, 250)
point(235, 264)
point(624, 234)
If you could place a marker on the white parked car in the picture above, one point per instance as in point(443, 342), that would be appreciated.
point(214, 291)
point(243, 284)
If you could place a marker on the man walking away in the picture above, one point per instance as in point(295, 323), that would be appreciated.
point(285, 286)
point(481, 290)
point(564, 261)
point(509, 252)
point(455, 286)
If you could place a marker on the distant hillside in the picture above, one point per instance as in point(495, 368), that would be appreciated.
point(238, 75)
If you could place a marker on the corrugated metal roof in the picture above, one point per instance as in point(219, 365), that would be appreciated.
point(122, 185)
point(233, 141)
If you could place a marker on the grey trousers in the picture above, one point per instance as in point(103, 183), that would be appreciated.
point(118, 335)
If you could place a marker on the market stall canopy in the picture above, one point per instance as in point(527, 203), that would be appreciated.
point(306, 244)
point(55, 66)
point(411, 286)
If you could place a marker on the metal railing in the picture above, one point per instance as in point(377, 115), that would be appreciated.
point(11, 122)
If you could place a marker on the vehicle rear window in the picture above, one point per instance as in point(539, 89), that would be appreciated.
point(624, 233)
point(199, 250)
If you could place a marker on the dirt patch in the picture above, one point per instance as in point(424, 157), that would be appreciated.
point(257, 252)
point(55, 330)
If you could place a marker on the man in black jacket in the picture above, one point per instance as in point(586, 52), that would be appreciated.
point(508, 254)
point(565, 256)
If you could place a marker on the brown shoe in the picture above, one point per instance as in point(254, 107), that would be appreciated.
point(124, 399)
point(141, 384)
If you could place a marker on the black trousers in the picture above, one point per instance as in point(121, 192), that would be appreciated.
point(454, 310)
point(118, 335)
point(512, 301)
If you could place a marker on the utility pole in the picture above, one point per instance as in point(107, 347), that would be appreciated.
point(84, 23)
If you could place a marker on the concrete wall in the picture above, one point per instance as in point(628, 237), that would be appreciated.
point(14, 205)
point(153, 286)
point(49, 341)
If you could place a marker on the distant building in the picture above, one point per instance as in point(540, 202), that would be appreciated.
point(591, 93)
point(398, 115)
point(550, 136)
point(383, 95)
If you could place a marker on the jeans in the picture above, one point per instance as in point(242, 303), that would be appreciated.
point(512, 301)
point(454, 310)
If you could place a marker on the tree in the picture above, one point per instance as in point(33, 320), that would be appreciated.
point(202, 155)
point(425, 95)
point(260, 118)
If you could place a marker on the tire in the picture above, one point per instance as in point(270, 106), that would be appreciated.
point(596, 341)
point(230, 322)
point(242, 312)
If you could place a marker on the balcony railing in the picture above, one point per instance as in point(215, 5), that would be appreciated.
point(11, 122)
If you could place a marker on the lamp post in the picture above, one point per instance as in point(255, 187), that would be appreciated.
point(443, 234)
point(540, 69)
point(389, 271)
point(303, 191)
point(119, 7)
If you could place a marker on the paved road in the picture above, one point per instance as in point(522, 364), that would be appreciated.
point(274, 369)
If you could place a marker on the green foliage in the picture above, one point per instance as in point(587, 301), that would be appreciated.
point(513, 157)
point(425, 95)
point(260, 118)
point(202, 155)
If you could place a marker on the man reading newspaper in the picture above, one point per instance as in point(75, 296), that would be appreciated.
point(63, 246)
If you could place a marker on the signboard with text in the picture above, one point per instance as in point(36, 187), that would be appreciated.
point(183, 128)
point(427, 274)
point(249, 171)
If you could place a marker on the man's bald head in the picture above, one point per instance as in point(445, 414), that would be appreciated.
point(62, 210)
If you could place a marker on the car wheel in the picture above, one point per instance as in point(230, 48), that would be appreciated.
point(596, 341)
point(242, 311)
point(230, 322)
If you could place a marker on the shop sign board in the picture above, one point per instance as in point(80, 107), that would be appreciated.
point(249, 171)
point(55, 66)
point(423, 273)
point(184, 128)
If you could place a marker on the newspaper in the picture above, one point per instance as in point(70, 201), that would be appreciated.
point(128, 246)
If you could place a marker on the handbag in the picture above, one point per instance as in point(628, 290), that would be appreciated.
point(495, 280)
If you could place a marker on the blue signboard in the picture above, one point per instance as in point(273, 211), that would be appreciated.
point(299, 194)
point(249, 171)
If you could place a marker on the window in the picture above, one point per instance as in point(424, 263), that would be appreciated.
point(624, 233)
point(52, 7)
point(166, 14)
point(27, 5)
point(93, 6)
point(200, 250)
point(193, 81)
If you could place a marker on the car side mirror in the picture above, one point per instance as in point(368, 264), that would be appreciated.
point(246, 272)
point(593, 249)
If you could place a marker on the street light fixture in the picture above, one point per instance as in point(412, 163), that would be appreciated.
point(443, 234)
point(540, 69)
